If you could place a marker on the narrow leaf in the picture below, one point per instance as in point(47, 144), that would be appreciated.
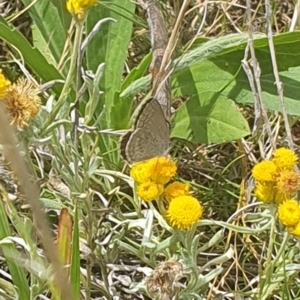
point(51, 27)
point(110, 45)
point(34, 59)
point(9, 250)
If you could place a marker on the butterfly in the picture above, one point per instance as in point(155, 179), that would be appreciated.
point(150, 136)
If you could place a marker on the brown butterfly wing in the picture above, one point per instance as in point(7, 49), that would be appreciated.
point(150, 137)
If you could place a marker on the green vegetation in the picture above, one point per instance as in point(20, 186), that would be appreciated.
point(235, 92)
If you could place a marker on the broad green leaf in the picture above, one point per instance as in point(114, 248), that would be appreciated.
point(217, 64)
point(191, 59)
point(47, 19)
point(212, 48)
point(291, 91)
point(209, 118)
point(34, 59)
point(202, 77)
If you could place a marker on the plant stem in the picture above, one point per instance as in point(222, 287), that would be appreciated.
point(69, 80)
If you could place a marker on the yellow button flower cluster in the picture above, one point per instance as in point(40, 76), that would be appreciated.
point(151, 177)
point(289, 215)
point(276, 181)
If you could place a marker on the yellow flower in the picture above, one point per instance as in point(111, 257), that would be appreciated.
point(284, 158)
point(4, 85)
point(149, 191)
point(79, 7)
point(287, 184)
point(22, 102)
point(162, 169)
point(140, 172)
point(184, 211)
point(264, 193)
point(176, 189)
point(294, 230)
point(264, 172)
point(289, 213)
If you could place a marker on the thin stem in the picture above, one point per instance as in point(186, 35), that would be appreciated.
point(282, 248)
point(269, 263)
point(160, 205)
point(276, 74)
point(295, 23)
point(77, 46)
point(253, 72)
point(272, 236)
point(69, 80)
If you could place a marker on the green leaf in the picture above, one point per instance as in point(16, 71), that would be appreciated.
point(216, 65)
point(291, 91)
point(9, 250)
point(64, 15)
point(138, 71)
point(209, 118)
point(41, 44)
point(34, 59)
point(110, 45)
point(211, 49)
point(47, 18)
point(141, 85)
point(95, 93)
point(202, 77)
point(126, 107)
